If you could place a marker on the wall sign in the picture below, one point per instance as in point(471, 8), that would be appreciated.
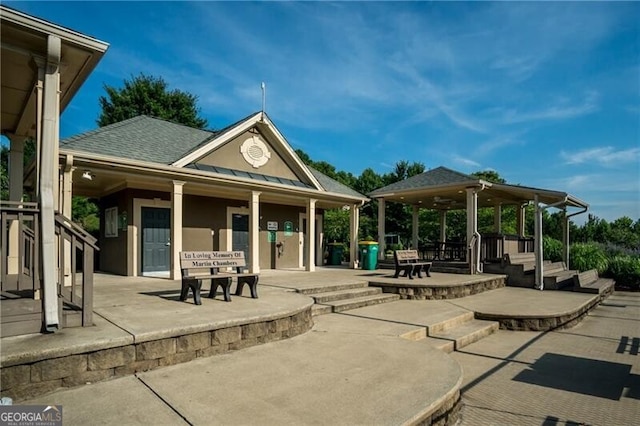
point(272, 225)
point(272, 236)
point(288, 228)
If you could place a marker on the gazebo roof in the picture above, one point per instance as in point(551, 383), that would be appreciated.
point(445, 189)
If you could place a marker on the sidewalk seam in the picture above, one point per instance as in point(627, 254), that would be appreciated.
point(163, 400)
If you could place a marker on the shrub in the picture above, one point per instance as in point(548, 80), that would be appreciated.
point(625, 270)
point(552, 249)
point(585, 256)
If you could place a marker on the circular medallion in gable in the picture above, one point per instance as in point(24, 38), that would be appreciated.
point(255, 152)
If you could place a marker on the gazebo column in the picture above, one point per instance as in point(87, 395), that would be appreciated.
point(311, 235)
point(48, 114)
point(539, 272)
point(254, 231)
point(472, 229)
point(440, 249)
point(16, 172)
point(565, 237)
point(354, 220)
point(520, 220)
point(176, 228)
point(497, 218)
point(381, 228)
point(415, 227)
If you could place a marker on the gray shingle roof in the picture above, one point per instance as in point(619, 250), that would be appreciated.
point(140, 138)
point(159, 141)
point(332, 185)
point(435, 177)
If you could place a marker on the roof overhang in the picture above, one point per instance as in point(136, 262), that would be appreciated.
point(24, 45)
point(453, 196)
point(111, 174)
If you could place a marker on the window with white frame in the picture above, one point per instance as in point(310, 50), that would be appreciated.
point(111, 222)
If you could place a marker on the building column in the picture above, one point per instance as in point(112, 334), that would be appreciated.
point(65, 207)
point(415, 227)
point(538, 250)
point(311, 235)
point(254, 232)
point(497, 218)
point(354, 219)
point(176, 228)
point(381, 228)
point(16, 182)
point(48, 114)
point(472, 229)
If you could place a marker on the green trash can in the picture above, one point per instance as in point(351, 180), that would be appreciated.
point(368, 255)
point(335, 253)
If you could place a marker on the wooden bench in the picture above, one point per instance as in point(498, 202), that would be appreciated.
point(197, 266)
point(409, 262)
point(590, 282)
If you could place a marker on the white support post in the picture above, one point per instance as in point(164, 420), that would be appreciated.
point(381, 228)
point(49, 113)
point(472, 228)
point(254, 232)
point(176, 228)
point(16, 172)
point(415, 227)
point(539, 272)
point(354, 216)
point(311, 235)
point(67, 211)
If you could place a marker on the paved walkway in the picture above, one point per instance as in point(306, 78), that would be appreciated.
point(585, 375)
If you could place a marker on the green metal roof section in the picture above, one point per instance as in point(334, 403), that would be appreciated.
point(332, 185)
point(435, 177)
point(140, 138)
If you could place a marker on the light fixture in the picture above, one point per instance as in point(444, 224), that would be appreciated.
point(88, 175)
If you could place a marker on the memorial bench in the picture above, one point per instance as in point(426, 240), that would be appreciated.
point(197, 266)
point(409, 262)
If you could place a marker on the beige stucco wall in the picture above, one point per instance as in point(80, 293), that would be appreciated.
point(204, 221)
point(288, 256)
point(229, 156)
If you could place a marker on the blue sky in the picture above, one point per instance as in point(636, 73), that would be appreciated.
point(546, 94)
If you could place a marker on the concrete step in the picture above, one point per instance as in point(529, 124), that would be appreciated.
point(359, 302)
point(332, 296)
point(467, 333)
point(442, 325)
point(335, 287)
point(446, 346)
point(320, 310)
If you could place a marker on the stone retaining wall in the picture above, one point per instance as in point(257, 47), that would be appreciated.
point(557, 322)
point(425, 292)
point(27, 380)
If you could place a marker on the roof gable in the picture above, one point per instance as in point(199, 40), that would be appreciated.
point(257, 134)
point(140, 138)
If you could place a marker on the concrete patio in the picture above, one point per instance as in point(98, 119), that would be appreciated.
point(141, 326)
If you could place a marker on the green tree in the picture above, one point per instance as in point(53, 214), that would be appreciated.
point(149, 95)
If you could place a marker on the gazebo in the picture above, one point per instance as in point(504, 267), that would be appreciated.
point(443, 189)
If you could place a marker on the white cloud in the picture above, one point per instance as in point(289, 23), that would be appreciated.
point(467, 162)
point(605, 156)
